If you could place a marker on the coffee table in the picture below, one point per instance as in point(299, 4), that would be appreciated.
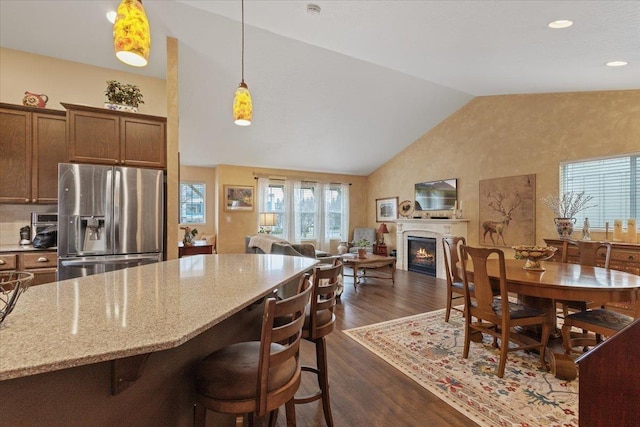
point(370, 262)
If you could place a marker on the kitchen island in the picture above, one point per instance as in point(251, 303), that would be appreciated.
point(119, 348)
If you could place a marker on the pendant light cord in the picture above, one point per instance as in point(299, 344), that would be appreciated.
point(242, 41)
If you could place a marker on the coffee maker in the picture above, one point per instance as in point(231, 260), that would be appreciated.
point(25, 236)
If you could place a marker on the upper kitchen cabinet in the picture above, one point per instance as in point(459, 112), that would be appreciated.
point(32, 143)
point(101, 136)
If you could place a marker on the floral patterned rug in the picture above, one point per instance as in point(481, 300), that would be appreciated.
point(429, 351)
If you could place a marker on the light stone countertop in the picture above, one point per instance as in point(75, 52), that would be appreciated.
point(134, 311)
point(23, 248)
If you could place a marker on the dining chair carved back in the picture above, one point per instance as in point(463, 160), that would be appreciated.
point(455, 287)
point(497, 315)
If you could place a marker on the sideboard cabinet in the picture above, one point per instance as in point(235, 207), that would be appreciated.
point(101, 136)
point(32, 142)
point(624, 256)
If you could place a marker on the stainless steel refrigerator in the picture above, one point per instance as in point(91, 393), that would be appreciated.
point(109, 218)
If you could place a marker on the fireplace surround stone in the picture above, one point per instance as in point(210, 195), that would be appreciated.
point(435, 228)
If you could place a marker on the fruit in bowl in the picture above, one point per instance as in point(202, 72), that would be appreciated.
point(533, 255)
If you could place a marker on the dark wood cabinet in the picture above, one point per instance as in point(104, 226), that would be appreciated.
point(43, 264)
point(32, 142)
point(624, 256)
point(115, 138)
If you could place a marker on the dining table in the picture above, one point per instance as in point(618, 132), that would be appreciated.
point(564, 281)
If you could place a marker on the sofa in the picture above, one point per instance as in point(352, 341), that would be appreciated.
point(260, 244)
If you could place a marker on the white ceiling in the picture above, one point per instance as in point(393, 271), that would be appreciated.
point(345, 90)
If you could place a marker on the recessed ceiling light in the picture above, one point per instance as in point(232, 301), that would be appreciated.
point(111, 16)
point(617, 63)
point(560, 23)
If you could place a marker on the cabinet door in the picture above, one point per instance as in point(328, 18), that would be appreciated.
point(49, 149)
point(93, 137)
point(15, 158)
point(143, 142)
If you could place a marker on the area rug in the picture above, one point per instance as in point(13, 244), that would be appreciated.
point(429, 351)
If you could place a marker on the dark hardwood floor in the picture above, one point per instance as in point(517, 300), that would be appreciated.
point(365, 390)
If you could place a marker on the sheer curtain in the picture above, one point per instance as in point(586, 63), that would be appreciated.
point(310, 212)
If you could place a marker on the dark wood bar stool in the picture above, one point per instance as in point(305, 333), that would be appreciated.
point(319, 322)
point(257, 377)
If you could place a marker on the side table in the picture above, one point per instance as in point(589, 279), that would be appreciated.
point(199, 247)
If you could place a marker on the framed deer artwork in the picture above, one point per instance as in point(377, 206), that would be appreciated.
point(508, 211)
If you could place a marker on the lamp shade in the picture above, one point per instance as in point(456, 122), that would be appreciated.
point(131, 34)
point(268, 219)
point(242, 106)
point(383, 228)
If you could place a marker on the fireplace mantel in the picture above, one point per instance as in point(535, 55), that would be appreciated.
point(437, 228)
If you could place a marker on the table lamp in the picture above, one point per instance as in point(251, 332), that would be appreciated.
point(382, 230)
point(267, 220)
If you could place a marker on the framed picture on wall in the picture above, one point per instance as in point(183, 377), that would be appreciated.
point(386, 209)
point(508, 211)
point(238, 198)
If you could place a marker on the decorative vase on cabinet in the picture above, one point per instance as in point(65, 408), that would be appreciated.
point(564, 227)
point(343, 248)
point(120, 107)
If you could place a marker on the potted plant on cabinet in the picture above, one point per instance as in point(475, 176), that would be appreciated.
point(123, 97)
point(362, 245)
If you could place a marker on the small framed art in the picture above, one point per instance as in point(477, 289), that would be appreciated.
point(386, 209)
point(238, 198)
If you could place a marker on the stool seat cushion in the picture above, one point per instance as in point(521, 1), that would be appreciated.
point(603, 318)
point(231, 373)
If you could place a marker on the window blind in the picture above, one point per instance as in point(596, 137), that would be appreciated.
point(613, 182)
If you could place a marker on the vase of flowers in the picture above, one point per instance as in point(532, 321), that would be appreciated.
point(565, 207)
point(122, 97)
point(362, 245)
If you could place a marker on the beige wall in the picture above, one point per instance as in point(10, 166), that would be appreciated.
point(499, 136)
point(234, 226)
point(71, 82)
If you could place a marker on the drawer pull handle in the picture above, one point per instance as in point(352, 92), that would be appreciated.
point(2, 262)
point(43, 259)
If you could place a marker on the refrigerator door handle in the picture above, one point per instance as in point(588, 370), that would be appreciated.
point(101, 260)
point(117, 192)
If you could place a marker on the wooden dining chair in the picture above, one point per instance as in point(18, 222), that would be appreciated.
point(601, 321)
point(318, 323)
point(455, 287)
point(257, 377)
point(589, 253)
point(497, 316)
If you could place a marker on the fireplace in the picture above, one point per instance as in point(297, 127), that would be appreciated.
point(432, 228)
point(421, 255)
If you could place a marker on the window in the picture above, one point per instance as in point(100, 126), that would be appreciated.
point(613, 182)
point(192, 203)
point(307, 211)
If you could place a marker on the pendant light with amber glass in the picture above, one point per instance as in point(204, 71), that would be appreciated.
point(131, 34)
point(242, 105)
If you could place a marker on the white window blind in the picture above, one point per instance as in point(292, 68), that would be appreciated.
point(613, 182)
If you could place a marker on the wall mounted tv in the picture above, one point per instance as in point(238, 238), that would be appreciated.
point(436, 195)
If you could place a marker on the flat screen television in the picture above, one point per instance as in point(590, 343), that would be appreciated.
point(436, 195)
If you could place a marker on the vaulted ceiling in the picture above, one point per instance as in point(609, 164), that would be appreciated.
point(344, 90)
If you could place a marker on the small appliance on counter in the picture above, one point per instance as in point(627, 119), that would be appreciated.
point(42, 221)
point(25, 236)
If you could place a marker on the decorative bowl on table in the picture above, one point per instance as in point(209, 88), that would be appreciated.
point(533, 255)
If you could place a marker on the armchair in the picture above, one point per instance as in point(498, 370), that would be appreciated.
point(360, 233)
